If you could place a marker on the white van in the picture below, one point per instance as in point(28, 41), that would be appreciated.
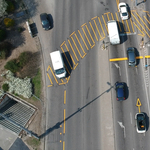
point(58, 64)
point(113, 32)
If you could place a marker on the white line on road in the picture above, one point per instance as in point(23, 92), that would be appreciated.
point(122, 126)
point(131, 117)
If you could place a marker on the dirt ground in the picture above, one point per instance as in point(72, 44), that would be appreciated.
point(24, 42)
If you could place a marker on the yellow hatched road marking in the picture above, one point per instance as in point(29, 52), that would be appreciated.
point(53, 75)
point(142, 21)
point(79, 43)
point(118, 59)
point(70, 54)
point(132, 25)
point(147, 20)
point(93, 31)
point(62, 44)
point(141, 25)
point(112, 16)
point(83, 40)
point(66, 57)
point(101, 25)
point(63, 145)
point(148, 14)
point(128, 26)
point(65, 97)
point(140, 30)
point(73, 50)
point(107, 15)
point(123, 25)
point(90, 36)
point(105, 23)
point(94, 18)
point(118, 21)
point(67, 69)
point(72, 33)
point(97, 28)
point(49, 80)
point(86, 37)
point(76, 47)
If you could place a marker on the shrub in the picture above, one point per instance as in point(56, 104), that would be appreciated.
point(9, 22)
point(4, 49)
point(12, 65)
point(10, 7)
point(24, 58)
point(5, 87)
point(2, 34)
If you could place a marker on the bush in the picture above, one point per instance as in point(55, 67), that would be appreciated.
point(9, 22)
point(2, 34)
point(5, 47)
point(5, 87)
point(12, 65)
point(10, 7)
point(24, 58)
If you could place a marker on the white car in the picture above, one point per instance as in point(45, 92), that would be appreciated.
point(123, 11)
point(140, 122)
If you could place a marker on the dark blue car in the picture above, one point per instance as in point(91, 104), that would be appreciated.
point(45, 21)
point(120, 92)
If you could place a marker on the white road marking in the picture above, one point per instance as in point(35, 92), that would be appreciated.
point(131, 117)
point(122, 126)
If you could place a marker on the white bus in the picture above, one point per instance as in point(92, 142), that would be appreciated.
point(113, 32)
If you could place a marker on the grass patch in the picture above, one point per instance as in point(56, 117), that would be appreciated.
point(33, 142)
point(36, 80)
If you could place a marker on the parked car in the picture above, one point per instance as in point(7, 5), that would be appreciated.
point(123, 9)
point(120, 91)
point(140, 122)
point(45, 21)
point(131, 56)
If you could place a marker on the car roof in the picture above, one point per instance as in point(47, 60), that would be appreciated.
point(131, 55)
point(120, 91)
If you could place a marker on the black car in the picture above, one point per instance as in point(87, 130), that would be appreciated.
point(131, 56)
point(140, 122)
point(45, 21)
point(120, 92)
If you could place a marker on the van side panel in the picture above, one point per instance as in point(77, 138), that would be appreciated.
point(113, 32)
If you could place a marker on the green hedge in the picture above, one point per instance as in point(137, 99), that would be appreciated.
point(5, 87)
point(9, 22)
point(2, 34)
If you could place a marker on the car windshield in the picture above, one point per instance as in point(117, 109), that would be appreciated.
point(60, 71)
point(131, 56)
point(44, 22)
point(141, 122)
point(124, 14)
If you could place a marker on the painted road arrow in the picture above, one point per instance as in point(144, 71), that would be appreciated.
point(138, 104)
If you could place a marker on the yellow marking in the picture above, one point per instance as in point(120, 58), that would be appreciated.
point(67, 69)
point(97, 28)
point(128, 26)
point(53, 75)
point(63, 145)
point(65, 97)
point(118, 21)
point(140, 30)
point(118, 59)
point(75, 66)
point(107, 15)
point(70, 54)
point(66, 58)
point(123, 26)
point(83, 25)
point(68, 79)
point(50, 79)
point(138, 104)
point(117, 2)
point(146, 11)
point(148, 14)
point(90, 35)
point(146, 19)
point(86, 37)
point(60, 141)
point(72, 33)
point(141, 26)
point(83, 40)
point(94, 18)
point(132, 25)
point(142, 21)
point(112, 16)
point(148, 56)
point(139, 57)
point(62, 43)
point(105, 23)
point(60, 126)
point(101, 26)
point(93, 31)
point(73, 50)
point(79, 43)
point(62, 80)
point(64, 120)
point(49, 85)
point(76, 47)
point(60, 133)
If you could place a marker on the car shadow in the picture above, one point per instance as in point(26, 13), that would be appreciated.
point(147, 121)
point(129, 11)
point(50, 18)
point(68, 63)
point(137, 55)
point(126, 90)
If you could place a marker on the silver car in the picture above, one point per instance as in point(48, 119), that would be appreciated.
point(123, 11)
point(131, 56)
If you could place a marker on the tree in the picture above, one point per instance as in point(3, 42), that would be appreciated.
point(3, 7)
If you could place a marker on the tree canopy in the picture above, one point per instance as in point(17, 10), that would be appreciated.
point(3, 7)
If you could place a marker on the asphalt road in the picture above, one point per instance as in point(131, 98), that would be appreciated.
point(78, 109)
